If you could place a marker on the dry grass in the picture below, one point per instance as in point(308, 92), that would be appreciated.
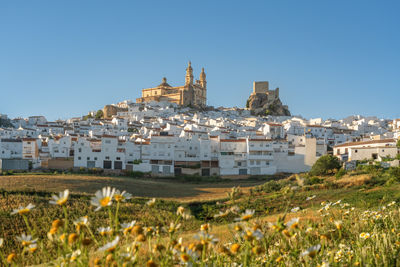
point(184, 192)
point(355, 180)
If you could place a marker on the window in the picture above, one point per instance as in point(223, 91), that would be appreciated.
point(29, 143)
point(107, 141)
point(80, 150)
point(88, 158)
point(79, 158)
point(118, 158)
point(355, 151)
point(107, 157)
point(95, 158)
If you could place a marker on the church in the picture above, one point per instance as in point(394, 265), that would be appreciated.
point(193, 93)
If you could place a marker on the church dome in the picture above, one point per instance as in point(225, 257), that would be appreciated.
point(164, 83)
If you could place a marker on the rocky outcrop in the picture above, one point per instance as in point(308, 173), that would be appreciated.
point(110, 110)
point(262, 105)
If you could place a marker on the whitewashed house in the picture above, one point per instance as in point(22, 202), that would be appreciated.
point(10, 148)
point(366, 150)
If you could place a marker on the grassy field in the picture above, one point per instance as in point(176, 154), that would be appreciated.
point(351, 220)
point(140, 187)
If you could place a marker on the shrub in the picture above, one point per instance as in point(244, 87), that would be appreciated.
point(340, 173)
point(96, 171)
point(135, 174)
point(312, 180)
point(370, 169)
point(325, 165)
point(9, 172)
point(99, 114)
point(271, 186)
point(391, 181)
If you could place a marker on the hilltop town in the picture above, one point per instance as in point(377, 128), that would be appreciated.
point(170, 131)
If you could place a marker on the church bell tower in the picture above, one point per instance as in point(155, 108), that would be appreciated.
point(189, 75)
point(203, 81)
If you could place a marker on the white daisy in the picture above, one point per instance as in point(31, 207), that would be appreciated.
point(311, 251)
point(247, 215)
point(206, 238)
point(104, 230)
point(103, 198)
point(311, 197)
point(151, 202)
point(126, 227)
point(296, 209)
point(23, 210)
point(293, 223)
point(111, 246)
point(82, 221)
point(61, 199)
point(75, 255)
point(122, 196)
point(257, 234)
point(26, 240)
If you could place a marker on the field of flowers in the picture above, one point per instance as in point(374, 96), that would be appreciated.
point(313, 225)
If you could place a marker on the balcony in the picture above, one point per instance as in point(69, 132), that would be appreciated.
point(260, 157)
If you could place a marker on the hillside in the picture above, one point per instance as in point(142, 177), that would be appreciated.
point(329, 211)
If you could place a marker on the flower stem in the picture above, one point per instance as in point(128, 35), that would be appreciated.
point(66, 219)
point(110, 216)
point(92, 235)
point(116, 217)
point(27, 224)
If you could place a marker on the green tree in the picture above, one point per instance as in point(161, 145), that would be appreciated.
point(99, 114)
point(132, 130)
point(398, 143)
point(325, 165)
point(6, 123)
point(248, 103)
point(88, 116)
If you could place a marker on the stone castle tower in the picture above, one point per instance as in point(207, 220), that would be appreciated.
point(191, 94)
point(263, 101)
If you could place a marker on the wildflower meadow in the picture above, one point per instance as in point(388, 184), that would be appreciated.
point(284, 223)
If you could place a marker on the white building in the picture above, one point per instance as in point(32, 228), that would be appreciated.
point(366, 150)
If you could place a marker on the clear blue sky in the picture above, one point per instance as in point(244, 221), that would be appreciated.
point(329, 58)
